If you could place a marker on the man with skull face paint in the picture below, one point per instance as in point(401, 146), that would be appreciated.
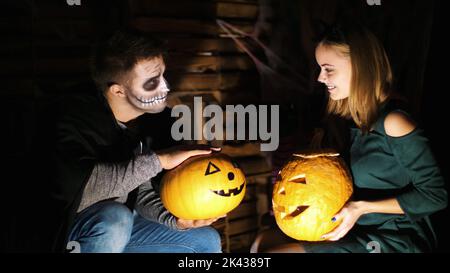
point(103, 197)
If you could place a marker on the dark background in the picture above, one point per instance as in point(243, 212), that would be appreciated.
point(45, 46)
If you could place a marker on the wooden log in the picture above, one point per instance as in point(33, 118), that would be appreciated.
point(245, 209)
point(253, 165)
point(219, 225)
point(177, 98)
point(241, 243)
point(193, 63)
point(74, 30)
point(214, 46)
point(245, 149)
point(65, 57)
point(73, 64)
point(250, 193)
point(214, 81)
point(238, 1)
point(196, 45)
point(242, 225)
point(173, 8)
point(194, 9)
point(223, 82)
point(186, 83)
point(185, 27)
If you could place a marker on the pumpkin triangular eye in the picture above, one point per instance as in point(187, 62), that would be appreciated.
point(298, 179)
point(211, 169)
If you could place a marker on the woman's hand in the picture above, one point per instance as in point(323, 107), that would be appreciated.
point(349, 214)
point(185, 224)
point(175, 156)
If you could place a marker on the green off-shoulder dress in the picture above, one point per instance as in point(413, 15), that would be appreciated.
point(384, 167)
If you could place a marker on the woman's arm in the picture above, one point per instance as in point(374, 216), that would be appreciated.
point(427, 193)
point(390, 206)
point(411, 149)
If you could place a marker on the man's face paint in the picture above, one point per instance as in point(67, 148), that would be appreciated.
point(148, 90)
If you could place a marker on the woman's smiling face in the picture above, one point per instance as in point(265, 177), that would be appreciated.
point(148, 89)
point(335, 71)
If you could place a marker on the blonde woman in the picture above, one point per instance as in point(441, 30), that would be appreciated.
point(397, 181)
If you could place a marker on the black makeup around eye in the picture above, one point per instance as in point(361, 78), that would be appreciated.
point(152, 83)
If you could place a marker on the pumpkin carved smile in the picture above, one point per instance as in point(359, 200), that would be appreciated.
point(230, 192)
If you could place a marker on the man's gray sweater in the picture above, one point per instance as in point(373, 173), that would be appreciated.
point(114, 181)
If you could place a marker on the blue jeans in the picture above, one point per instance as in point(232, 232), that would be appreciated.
point(110, 227)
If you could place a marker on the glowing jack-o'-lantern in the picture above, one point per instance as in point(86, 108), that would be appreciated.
point(309, 191)
point(203, 187)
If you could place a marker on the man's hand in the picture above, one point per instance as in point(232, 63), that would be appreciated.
point(185, 224)
point(175, 156)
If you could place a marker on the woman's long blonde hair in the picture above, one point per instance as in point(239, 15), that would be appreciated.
point(371, 79)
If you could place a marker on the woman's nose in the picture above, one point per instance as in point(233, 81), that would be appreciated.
point(322, 78)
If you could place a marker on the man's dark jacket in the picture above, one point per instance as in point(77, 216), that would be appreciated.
point(71, 134)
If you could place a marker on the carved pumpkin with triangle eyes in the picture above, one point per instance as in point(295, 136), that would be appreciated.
point(203, 187)
point(309, 191)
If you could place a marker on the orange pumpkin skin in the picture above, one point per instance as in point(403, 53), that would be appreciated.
point(309, 191)
point(203, 187)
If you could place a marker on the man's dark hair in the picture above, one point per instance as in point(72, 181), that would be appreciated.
point(112, 59)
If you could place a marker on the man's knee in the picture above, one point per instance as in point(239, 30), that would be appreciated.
point(109, 229)
point(208, 241)
point(116, 217)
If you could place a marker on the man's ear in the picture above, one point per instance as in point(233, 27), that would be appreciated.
point(116, 90)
